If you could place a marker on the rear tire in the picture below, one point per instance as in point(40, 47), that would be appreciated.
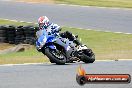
point(88, 59)
point(88, 56)
point(60, 60)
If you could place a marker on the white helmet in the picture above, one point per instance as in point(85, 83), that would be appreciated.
point(43, 22)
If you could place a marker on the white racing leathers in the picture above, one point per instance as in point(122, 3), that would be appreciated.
point(50, 30)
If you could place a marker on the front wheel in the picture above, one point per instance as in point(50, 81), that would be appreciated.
point(55, 56)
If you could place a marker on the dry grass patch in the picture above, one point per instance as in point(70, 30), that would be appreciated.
point(5, 46)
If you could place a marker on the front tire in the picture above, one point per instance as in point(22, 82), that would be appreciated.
point(55, 56)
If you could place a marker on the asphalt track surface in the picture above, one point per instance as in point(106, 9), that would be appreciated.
point(60, 76)
point(116, 20)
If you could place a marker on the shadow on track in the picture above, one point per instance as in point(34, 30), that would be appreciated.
point(67, 64)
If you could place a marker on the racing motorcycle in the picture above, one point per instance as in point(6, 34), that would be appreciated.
point(60, 50)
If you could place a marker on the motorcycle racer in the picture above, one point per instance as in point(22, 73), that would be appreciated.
point(44, 24)
point(60, 48)
point(50, 28)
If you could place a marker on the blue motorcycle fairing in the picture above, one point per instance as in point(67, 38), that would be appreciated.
point(40, 40)
point(52, 47)
point(50, 39)
point(47, 39)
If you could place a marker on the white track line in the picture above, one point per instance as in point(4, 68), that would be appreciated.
point(117, 60)
point(72, 5)
point(116, 8)
point(49, 62)
point(104, 31)
point(24, 64)
point(74, 27)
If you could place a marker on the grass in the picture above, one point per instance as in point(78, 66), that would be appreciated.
point(29, 56)
point(101, 3)
point(106, 46)
point(8, 22)
point(5, 46)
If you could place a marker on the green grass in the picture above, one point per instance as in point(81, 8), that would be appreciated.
point(106, 46)
point(29, 56)
point(102, 3)
point(8, 22)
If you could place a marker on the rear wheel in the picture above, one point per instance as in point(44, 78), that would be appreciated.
point(88, 56)
point(88, 59)
point(55, 56)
